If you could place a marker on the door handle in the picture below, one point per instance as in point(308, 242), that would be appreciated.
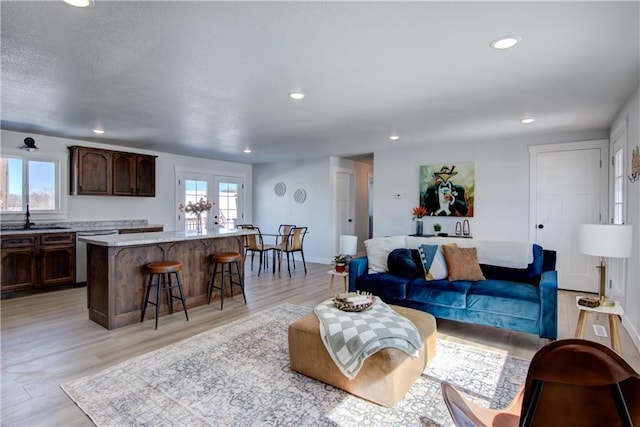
point(350, 220)
point(540, 226)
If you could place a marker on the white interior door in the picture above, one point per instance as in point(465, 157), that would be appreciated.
point(345, 183)
point(228, 191)
point(568, 187)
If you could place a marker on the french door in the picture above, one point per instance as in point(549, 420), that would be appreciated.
point(191, 188)
point(228, 191)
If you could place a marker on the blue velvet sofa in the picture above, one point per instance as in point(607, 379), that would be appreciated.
point(519, 299)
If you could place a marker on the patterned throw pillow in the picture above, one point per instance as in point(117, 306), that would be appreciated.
point(433, 262)
point(462, 263)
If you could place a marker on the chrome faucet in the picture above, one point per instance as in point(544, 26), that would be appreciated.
point(27, 223)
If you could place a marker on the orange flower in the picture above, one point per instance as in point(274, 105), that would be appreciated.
point(419, 212)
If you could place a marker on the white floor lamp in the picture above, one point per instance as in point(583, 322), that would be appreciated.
point(605, 241)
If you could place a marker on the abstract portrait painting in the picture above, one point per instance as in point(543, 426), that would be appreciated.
point(447, 189)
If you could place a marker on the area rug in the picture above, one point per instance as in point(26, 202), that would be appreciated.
point(238, 375)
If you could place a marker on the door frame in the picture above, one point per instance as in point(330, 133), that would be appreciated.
point(534, 150)
point(619, 292)
point(352, 203)
point(211, 176)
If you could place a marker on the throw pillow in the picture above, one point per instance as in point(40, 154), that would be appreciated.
point(402, 263)
point(462, 263)
point(378, 250)
point(433, 262)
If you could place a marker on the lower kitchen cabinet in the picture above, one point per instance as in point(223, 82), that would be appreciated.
point(57, 259)
point(33, 261)
point(18, 263)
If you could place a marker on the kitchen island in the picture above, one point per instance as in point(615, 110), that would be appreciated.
point(116, 274)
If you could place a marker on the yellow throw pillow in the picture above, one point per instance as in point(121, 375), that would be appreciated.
point(462, 263)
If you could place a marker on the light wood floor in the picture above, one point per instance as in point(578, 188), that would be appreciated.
point(48, 339)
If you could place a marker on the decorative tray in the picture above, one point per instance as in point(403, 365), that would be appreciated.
point(353, 301)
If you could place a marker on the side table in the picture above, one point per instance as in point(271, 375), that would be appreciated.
point(343, 274)
point(613, 313)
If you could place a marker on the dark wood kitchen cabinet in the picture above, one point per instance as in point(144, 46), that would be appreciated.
point(128, 174)
point(32, 261)
point(124, 174)
point(145, 175)
point(18, 255)
point(57, 259)
point(90, 171)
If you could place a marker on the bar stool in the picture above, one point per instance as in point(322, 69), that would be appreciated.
point(159, 269)
point(226, 259)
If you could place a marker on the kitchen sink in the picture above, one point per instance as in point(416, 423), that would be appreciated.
point(34, 228)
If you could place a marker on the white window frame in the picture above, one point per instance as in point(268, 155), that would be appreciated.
point(61, 184)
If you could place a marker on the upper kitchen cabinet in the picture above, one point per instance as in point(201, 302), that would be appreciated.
point(112, 173)
point(145, 175)
point(90, 171)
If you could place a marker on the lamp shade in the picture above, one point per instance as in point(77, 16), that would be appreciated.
point(348, 245)
point(605, 240)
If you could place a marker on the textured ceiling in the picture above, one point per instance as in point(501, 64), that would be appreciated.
point(208, 79)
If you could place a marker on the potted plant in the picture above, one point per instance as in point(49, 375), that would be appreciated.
point(341, 262)
point(437, 227)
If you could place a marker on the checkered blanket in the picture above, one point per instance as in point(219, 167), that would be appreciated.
point(352, 337)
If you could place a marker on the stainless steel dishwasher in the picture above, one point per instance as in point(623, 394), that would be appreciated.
point(81, 252)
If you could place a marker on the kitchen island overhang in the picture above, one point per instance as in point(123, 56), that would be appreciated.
point(116, 273)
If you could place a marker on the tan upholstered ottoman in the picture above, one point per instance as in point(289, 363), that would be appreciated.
point(385, 377)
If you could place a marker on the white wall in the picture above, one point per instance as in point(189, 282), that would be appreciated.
point(272, 210)
point(161, 209)
point(630, 113)
point(501, 189)
point(316, 176)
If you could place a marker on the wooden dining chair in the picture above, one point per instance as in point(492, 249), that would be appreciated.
point(291, 243)
point(571, 382)
point(254, 243)
point(284, 231)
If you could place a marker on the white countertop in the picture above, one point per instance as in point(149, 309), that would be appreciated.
point(72, 227)
point(159, 237)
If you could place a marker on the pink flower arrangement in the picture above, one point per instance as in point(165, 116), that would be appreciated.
point(197, 208)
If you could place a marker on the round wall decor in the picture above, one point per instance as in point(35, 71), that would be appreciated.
point(300, 195)
point(280, 189)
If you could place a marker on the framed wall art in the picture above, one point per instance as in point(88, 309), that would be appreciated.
point(447, 189)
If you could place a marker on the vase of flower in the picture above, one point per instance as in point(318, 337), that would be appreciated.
point(199, 222)
point(418, 213)
point(197, 208)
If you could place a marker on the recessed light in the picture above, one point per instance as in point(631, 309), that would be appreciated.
point(528, 120)
point(98, 131)
point(296, 95)
point(246, 150)
point(79, 3)
point(505, 42)
point(394, 137)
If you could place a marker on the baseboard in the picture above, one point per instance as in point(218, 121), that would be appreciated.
point(635, 337)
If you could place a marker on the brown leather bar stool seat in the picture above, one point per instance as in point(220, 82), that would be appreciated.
point(162, 270)
point(227, 259)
